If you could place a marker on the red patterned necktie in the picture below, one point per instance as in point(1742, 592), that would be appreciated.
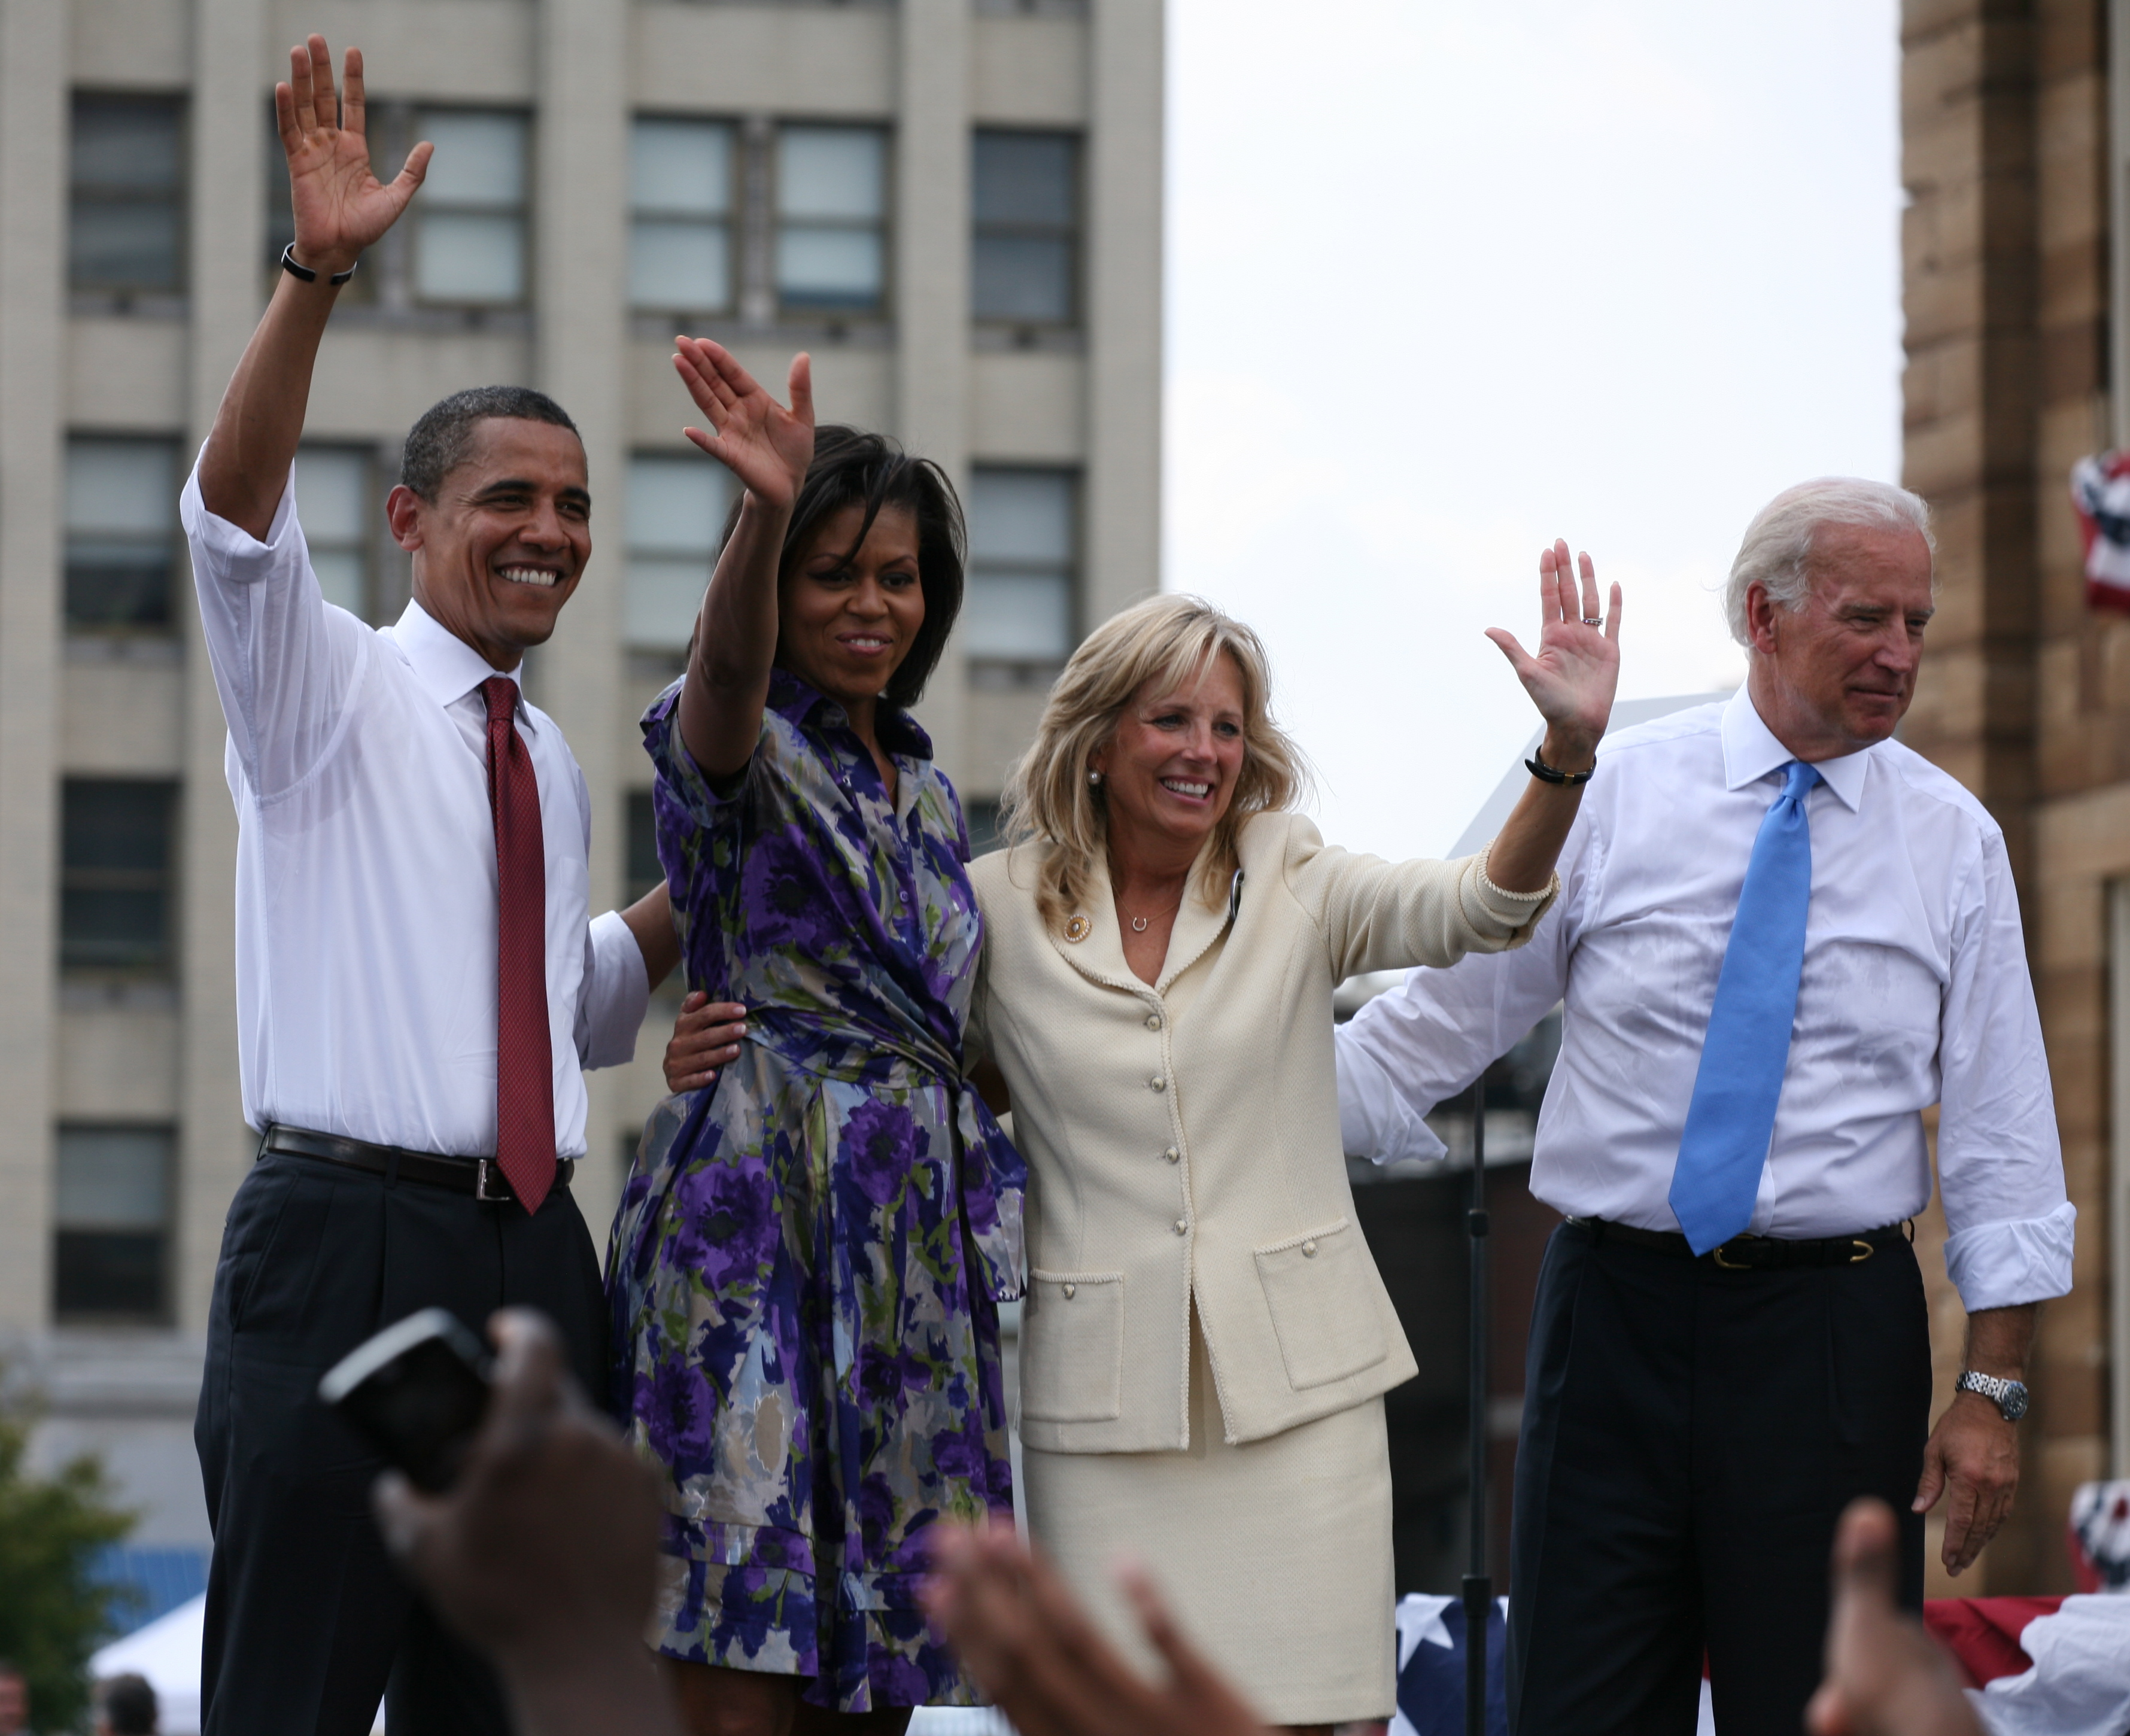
point(524, 1061)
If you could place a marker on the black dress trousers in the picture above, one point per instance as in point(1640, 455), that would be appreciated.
point(1690, 1438)
point(307, 1621)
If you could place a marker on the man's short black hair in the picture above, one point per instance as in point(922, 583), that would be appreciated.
point(440, 442)
point(128, 1705)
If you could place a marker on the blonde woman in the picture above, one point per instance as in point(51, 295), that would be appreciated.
point(1205, 1344)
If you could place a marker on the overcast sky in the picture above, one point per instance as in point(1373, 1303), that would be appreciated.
point(1448, 280)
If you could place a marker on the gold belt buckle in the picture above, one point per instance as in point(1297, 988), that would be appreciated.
point(1715, 1253)
point(1864, 1251)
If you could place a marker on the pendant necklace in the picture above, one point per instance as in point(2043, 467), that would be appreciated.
point(1138, 922)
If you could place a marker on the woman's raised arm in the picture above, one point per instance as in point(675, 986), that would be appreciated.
point(767, 447)
point(1571, 681)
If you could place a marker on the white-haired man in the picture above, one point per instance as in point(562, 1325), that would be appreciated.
point(1781, 937)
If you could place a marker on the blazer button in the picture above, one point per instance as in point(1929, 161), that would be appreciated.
point(1158, 1083)
point(1153, 1021)
point(1308, 1249)
point(1182, 1226)
point(1070, 1291)
point(1172, 1155)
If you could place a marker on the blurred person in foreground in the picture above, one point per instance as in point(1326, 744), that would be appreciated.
point(1053, 1673)
point(420, 983)
point(1782, 938)
point(14, 1700)
point(542, 1555)
point(124, 1707)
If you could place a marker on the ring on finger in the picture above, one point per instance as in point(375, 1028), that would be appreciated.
point(1594, 620)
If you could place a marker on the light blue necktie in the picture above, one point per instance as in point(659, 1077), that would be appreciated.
point(1732, 1115)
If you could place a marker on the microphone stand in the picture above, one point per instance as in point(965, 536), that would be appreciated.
point(1479, 1584)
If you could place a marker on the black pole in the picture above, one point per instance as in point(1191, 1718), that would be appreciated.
point(1479, 1583)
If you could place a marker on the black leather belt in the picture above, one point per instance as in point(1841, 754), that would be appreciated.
point(479, 1176)
point(1755, 1253)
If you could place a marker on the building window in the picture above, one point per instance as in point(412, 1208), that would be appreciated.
point(126, 221)
point(1024, 255)
point(121, 524)
point(280, 212)
point(831, 214)
point(333, 498)
point(1024, 546)
point(111, 1224)
point(644, 868)
point(677, 514)
point(118, 855)
point(981, 817)
point(681, 183)
point(470, 219)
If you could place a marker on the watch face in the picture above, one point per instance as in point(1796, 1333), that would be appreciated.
point(2013, 1404)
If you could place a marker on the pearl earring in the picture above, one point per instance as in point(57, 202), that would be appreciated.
point(1094, 780)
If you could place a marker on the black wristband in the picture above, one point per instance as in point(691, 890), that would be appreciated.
point(304, 274)
point(1547, 773)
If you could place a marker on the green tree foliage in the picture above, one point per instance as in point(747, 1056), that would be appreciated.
point(52, 1614)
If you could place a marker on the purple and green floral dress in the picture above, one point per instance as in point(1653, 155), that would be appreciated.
point(807, 1262)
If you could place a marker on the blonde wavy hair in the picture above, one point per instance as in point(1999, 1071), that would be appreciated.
point(1170, 641)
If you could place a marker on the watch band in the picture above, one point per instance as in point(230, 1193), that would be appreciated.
point(2009, 1396)
point(307, 274)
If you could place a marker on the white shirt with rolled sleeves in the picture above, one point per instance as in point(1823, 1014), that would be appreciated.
point(1915, 991)
point(365, 864)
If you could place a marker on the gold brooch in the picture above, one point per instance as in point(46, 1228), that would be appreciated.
point(1078, 928)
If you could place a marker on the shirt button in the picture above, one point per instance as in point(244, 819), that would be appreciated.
point(1172, 1155)
point(1182, 1226)
point(1070, 1291)
point(1308, 1249)
point(1153, 1021)
point(1158, 1083)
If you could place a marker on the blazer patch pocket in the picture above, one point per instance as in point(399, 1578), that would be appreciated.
point(1073, 1347)
point(1319, 1288)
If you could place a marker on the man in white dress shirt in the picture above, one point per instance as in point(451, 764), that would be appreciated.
point(1698, 1410)
point(420, 982)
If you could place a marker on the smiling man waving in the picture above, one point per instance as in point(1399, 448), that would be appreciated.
point(1782, 938)
point(419, 983)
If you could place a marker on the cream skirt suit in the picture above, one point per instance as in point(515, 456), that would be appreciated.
point(1206, 1342)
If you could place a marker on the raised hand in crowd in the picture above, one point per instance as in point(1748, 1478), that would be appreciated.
point(1048, 1668)
point(542, 1552)
point(1885, 1675)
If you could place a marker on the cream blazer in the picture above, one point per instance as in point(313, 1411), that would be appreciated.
point(1182, 1137)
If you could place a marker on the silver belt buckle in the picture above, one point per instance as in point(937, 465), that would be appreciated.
point(483, 1169)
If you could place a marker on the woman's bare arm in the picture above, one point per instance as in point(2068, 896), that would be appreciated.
point(767, 448)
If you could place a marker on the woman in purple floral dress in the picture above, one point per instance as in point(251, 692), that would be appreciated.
point(807, 1262)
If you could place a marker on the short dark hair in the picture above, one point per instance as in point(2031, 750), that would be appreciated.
point(442, 440)
point(128, 1704)
point(852, 467)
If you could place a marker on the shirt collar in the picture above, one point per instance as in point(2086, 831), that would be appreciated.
point(1750, 751)
point(446, 666)
point(799, 702)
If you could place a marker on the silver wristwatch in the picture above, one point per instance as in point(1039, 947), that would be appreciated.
point(2009, 1396)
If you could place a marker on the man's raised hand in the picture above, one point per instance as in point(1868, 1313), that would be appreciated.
point(340, 206)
